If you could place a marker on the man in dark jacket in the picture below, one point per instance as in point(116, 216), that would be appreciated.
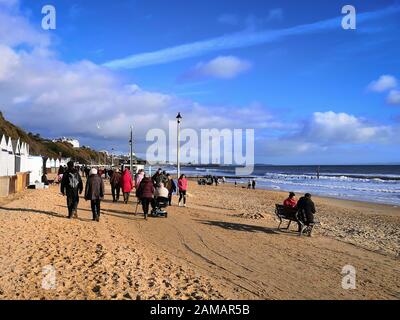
point(306, 209)
point(115, 182)
point(145, 194)
point(71, 186)
point(171, 186)
point(94, 192)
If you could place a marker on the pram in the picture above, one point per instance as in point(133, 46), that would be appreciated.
point(159, 204)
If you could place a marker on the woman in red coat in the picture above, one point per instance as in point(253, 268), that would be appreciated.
point(182, 185)
point(126, 184)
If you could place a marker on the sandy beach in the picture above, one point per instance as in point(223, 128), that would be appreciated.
point(224, 245)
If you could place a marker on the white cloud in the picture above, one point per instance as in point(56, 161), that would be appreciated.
point(337, 128)
point(394, 97)
point(384, 83)
point(275, 14)
point(223, 67)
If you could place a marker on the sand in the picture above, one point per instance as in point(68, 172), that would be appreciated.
point(224, 245)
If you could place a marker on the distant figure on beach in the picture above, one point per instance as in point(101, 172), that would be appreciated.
point(235, 183)
point(157, 177)
point(253, 184)
point(126, 184)
point(94, 191)
point(249, 185)
point(145, 193)
point(45, 180)
point(307, 209)
point(72, 187)
point(115, 182)
point(291, 201)
point(171, 186)
point(215, 180)
point(182, 186)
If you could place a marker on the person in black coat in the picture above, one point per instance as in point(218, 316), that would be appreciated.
point(72, 186)
point(94, 192)
point(306, 208)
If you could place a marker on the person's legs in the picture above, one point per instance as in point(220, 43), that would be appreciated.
point(93, 205)
point(98, 201)
point(145, 205)
point(184, 198)
point(180, 197)
point(70, 207)
point(126, 197)
point(118, 189)
point(113, 189)
point(169, 199)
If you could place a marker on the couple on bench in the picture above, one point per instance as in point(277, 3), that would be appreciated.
point(301, 211)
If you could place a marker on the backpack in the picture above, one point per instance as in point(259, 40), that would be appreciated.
point(73, 180)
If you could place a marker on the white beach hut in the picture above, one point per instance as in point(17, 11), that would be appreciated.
point(10, 159)
point(24, 151)
point(35, 167)
point(17, 155)
point(3, 156)
point(57, 163)
point(48, 163)
point(52, 163)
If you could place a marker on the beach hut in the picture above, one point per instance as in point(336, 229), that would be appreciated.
point(48, 164)
point(3, 156)
point(57, 163)
point(24, 151)
point(17, 155)
point(10, 158)
point(35, 167)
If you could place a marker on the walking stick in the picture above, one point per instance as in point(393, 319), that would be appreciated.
point(137, 203)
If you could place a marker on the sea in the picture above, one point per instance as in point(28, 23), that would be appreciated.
point(369, 183)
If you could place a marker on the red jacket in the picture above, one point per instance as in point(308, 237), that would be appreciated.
point(182, 184)
point(126, 181)
point(291, 203)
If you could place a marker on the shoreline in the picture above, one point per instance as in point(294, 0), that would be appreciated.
point(315, 196)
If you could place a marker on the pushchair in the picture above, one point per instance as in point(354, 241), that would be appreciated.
point(160, 203)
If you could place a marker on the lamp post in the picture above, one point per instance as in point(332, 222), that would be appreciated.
point(131, 144)
point(178, 136)
point(112, 157)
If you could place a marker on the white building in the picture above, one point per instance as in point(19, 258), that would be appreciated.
point(75, 143)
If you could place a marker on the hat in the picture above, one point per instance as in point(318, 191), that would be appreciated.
point(93, 172)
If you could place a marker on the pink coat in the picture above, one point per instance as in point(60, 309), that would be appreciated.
point(182, 184)
point(126, 181)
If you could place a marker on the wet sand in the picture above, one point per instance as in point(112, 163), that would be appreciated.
point(224, 245)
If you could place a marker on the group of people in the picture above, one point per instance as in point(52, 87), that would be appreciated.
point(304, 205)
point(149, 190)
point(210, 180)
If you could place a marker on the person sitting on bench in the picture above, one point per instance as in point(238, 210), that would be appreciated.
point(290, 202)
point(306, 209)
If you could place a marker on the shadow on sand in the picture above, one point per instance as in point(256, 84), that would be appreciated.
point(238, 226)
point(49, 213)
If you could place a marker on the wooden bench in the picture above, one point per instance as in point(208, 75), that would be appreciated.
point(292, 215)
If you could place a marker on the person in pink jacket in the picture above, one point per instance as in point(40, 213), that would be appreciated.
point(182, 186)
point(126, 184)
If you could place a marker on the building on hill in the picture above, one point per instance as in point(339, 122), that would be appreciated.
point(75, 143)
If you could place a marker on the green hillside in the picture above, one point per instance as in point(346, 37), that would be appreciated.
point(44, 147)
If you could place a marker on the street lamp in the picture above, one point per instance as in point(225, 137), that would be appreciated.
point(112, 157)
point(131, 156)
point(178, 127)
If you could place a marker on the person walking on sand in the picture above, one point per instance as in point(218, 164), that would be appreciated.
point(126, 184)
point(72, 187)
point(253, 184)
point(145, 193)
point(115, 182)
point(171, 186)
point(94, 191)
point(182, 186)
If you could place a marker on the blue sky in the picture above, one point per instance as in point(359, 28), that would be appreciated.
point(310, 94)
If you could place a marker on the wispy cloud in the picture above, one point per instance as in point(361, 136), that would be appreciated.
point(222, 67)
point(237, 40)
